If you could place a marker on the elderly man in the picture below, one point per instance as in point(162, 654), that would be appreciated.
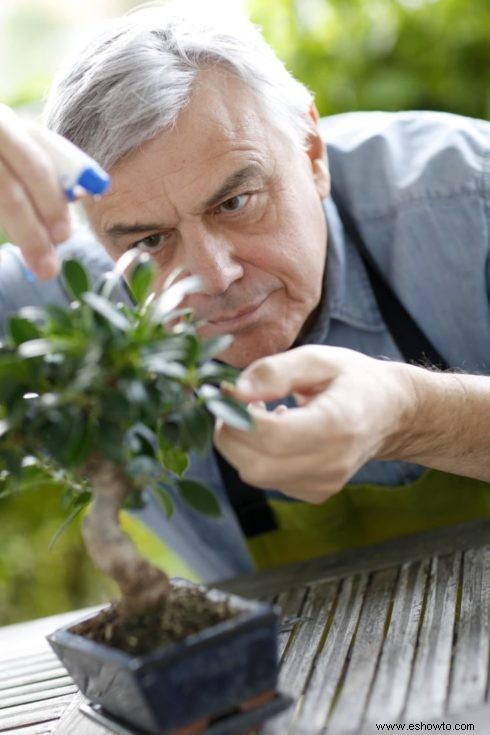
point(331, 277)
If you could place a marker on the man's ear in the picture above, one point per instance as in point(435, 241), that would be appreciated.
point(315, 149)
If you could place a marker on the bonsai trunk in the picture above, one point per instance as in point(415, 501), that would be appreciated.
point(142, 585)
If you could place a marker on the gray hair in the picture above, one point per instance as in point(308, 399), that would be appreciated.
point(136, 76)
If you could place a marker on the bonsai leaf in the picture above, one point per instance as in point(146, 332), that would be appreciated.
point(76, 278)
point(172, 458)
point(215, 372)
point(141, 280)
point(135, 501)
point(59, 531)
point(164, 367)
point(22, 330)
point(196, 427)
point(144, 470)
point(212, 347)
point(172, 296)
point(198, 497)
point(226, 408)
point(107, 310)
point(164, 497)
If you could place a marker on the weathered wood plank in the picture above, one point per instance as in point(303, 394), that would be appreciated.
point(429, 686)
point(327, 672)
point(390, 687)
point(74, 722)
point(44, 728)
point(29, 638)
point(471, 653)
point(291, 603)
point(31, 714)
point(301, 653)
point(349, 708)
point(27, 661)
point(38, 695)
point(37, 673)
point(41, 681)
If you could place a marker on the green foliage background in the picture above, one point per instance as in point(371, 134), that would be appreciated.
point(353, 54)
point(385, 54)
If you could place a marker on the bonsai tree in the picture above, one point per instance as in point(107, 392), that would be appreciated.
point(108, 397)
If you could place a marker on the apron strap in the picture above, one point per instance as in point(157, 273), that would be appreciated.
point(407, 335)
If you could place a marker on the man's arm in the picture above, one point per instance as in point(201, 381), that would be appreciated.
point(451, 424)
point(353, 409)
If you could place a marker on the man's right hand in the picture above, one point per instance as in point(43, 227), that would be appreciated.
point(33, 208)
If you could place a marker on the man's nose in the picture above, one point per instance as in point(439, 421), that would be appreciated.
point(214, 260)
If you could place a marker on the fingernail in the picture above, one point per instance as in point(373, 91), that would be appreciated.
point(60, 231)
point(48, 266)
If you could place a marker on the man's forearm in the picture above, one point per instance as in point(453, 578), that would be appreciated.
point(449, 426)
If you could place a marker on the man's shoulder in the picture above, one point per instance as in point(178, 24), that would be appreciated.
point(379, 160)
point(352, 129)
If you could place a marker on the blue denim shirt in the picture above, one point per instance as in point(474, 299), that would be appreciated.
point(418, 186)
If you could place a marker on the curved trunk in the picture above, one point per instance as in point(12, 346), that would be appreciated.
point(142, 585)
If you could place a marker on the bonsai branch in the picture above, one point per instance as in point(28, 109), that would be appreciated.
point(142, 585)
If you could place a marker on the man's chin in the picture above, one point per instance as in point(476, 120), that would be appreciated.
point(243, 353)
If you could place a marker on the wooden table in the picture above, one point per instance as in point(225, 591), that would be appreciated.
point(397, 632)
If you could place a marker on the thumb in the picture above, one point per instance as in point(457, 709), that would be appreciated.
point(303, 370)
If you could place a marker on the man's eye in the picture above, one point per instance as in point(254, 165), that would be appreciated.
point(151, 244)
point(235, 203)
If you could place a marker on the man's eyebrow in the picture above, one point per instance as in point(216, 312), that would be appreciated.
point(250, 173)
point(120, 229)
point(247, 174)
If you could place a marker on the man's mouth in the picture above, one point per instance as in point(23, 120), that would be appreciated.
point(240, 318)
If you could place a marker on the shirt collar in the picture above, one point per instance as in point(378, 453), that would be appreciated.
point(347, 293)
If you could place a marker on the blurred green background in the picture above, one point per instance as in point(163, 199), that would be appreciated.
point(353, 54)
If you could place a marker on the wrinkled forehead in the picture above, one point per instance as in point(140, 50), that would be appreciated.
point(221, 132)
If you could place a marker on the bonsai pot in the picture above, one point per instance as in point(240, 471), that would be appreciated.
point(231, 667)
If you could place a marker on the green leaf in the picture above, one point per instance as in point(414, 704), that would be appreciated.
point(59, 319)
point(163, 367)
point(214, 346)
point(196, 428)
point(42, 347)
point(65, 525)
point(233, 414)
point(198, 497)
point(172, 458)
point(135, 501)
point(107, 310)
point(76, 278)
point(22, 330)
point(144, 469)
point(141, 280)
point(164, 497)
point(215, 372)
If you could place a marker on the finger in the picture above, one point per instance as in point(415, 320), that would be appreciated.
point(259, 405)
point(305, 369)
point(33, 167)
point(20, 221)
point(299, 476)
point(280, 435)
point(282, 408)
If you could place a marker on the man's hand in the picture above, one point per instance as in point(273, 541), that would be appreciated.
point(351, 409)
point(33, 208)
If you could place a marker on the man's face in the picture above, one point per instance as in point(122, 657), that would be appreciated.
point(226, 197)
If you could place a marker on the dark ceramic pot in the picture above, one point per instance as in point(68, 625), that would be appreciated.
point(203, 677)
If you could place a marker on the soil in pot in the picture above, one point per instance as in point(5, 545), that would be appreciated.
point(187, 611)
